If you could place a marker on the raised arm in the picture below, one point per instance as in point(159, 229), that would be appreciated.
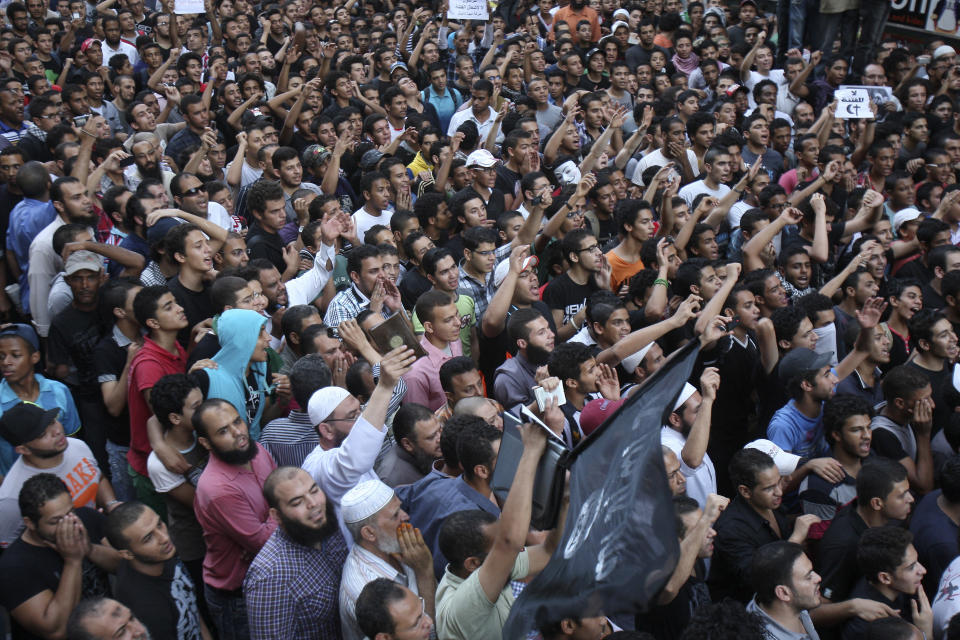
point(690, 548)
point(235, 173)
point(756, 245)
point(748, 59)
point(799, 85)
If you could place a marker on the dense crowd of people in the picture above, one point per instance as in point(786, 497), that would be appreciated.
point(279, 278)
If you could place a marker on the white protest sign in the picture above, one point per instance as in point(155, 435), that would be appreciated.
point(852, 104)
point(468, 10)
point(188, 6)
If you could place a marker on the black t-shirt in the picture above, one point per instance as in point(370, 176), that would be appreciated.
point(945, 396)
point(507, 180)
point(668, 622)
point(28, 570)
point(493, 351)
point(856, 628)
point(261, 244)
point(204, 350)
point(166, 605)
point(495, 205)
point(109, 359)
point(563, 293)
point(837, 553)
point(74, 335)
point(196, 304)
point(412, 286)
point(915, 269)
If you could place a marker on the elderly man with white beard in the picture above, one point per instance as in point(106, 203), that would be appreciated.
point(385, 545)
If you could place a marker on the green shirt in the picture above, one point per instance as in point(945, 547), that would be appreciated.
point(468, 320)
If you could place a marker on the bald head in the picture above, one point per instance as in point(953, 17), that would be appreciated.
point(277, 477)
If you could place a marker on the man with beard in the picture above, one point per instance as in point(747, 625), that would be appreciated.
point(687, 433)
point(351, 435)
point(58, 560)
point(12, 124)
point(231, 508)
point(530, 331)
point(385, 545)
point(104, 619)
point(141, 119)
point(146, 159)
point(416, 434)
point(151, 580)
point(38, 438)
point(73, 205)
point(113, 45)
point(291, 589)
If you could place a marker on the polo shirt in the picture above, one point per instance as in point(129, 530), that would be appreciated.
point(150, 364)
point(837, 554)
point(235, 517)
point(423, 379)
point(463, 610)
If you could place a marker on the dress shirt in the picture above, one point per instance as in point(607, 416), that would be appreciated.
point(290, 440)
point(423, 379)
point(291, 590)
point(236, 522)
point(514, 381)
point(398, 467)
point(347, 305)
point(740, 532)
point(305, 288)
point(466, 115)
point(481, 292)
point(43, 268)
point(363, 566)
point(342, 468)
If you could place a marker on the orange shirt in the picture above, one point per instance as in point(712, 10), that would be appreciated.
point(571, 17)
point(620, 270)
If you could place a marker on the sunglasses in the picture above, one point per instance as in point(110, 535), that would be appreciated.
point(189, 193)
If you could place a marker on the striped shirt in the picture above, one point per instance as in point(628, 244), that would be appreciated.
point(361, 568)
point(290, 440)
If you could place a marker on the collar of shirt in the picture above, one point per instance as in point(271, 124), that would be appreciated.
point(436, 356)
point(7, 394)
point(380, 565)
point(231, 472)
point(118, 337)
point(465, 275)
point(741, 510)
point(363, 300)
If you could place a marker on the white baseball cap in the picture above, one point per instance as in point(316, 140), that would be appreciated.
point(481, 158)
point(786, 462)
point(903, 216)
point(503, 268)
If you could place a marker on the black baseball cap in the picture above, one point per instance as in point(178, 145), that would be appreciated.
point(25, 422)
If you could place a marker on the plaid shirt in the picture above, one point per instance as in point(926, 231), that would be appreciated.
point(480, 292)
point(347, 305)
point(292, 591)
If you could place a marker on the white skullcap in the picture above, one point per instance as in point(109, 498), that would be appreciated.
point(630, 363)
point(324, 401)
point(943, 50)
point(786, 462)
point(688, 390)
point(364, 500)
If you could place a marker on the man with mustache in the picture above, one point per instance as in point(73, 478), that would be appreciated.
point(572, 14)
point(385, 545)
point(292, 586)
point(530, 331)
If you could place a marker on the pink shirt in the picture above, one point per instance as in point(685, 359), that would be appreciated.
point(235, 517)
point(423, 379)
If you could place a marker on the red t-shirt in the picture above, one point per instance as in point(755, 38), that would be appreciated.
point(150, 364)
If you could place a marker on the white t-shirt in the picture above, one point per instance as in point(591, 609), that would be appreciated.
point(365, 220)
point(736, 212)
point(776, 75)
point(692, 190)
point(217, 214)
point(123, 47)
point(78, 470)
point(947, 602)
point(701, 481)
point(657, 159)
point(247, 174)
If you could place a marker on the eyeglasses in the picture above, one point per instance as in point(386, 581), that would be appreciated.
point(489, 252)
point(351, 418)
point(592, 249)
point(189, 193)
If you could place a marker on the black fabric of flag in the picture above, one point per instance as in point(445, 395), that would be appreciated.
point(620, 543)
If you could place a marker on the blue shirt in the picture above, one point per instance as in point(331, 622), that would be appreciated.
point(935, 537)
point(438, 499)
point(27, 219)
point(52, 395)
point(794, 432)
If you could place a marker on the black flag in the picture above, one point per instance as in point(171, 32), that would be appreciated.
point(620, 543)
